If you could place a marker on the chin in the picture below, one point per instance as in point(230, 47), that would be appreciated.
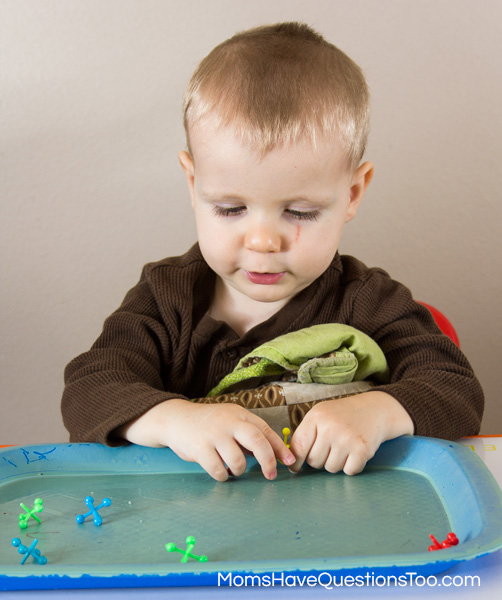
point(268, 296)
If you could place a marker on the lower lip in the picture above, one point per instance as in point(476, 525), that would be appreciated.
point(264, 278)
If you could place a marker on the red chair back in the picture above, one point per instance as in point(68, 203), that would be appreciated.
point(443, 323)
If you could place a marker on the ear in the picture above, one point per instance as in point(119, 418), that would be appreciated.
point(360, 182)
point(187, 165)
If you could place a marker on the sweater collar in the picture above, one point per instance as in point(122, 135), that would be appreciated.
point(300, 309)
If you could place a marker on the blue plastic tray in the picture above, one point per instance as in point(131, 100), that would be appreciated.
point(376, 523)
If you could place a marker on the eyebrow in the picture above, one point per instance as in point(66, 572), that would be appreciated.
point(218, 197)
point(213, 197)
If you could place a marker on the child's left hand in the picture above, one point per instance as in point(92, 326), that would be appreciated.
point(345, 433)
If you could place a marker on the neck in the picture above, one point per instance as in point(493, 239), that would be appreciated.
point(240, 312)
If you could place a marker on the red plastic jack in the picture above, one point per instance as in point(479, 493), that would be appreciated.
point(451, 540)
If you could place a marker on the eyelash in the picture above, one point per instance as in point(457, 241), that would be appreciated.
point(311, 215)
point(235, 211)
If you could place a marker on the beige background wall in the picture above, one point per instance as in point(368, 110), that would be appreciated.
point(90, 188)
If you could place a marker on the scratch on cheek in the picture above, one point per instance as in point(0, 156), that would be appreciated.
point(297, 233)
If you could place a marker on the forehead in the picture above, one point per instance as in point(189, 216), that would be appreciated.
point(221, 155)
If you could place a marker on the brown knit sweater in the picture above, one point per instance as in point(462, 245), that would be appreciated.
point(161, 344)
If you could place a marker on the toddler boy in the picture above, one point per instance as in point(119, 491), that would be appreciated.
point(276, 120)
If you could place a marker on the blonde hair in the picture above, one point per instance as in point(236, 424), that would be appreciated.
point(276, 84)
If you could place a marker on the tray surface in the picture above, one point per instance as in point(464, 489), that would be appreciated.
point(313, 522)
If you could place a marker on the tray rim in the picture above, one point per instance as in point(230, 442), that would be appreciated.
point(402, 453)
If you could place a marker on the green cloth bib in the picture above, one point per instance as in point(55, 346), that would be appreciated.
point(330, 353)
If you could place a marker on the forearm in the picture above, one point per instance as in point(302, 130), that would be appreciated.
point(150, 428)
point(443, 404)
point(100, 396)
point(429, 375)
point(389, 414)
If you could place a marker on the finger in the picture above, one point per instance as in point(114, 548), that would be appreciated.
point(252, 438)
point(336, 460)
point(357, 459)
point(301, 443)
point(281, 451)
point(318, 455)
point(233, 456)
point(213, 464)
point(354, 464)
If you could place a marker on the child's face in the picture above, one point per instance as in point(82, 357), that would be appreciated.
point(269, 226)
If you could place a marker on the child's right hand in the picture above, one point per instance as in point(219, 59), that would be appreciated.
point(214, 435)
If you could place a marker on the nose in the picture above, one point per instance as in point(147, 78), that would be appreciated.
point(263, 236)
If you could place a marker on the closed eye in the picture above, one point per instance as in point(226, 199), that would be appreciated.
point(228, 211)
point(311, 215)
point(234, 211)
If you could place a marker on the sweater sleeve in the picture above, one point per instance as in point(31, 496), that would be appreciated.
point(122, 375)
point(429, 375)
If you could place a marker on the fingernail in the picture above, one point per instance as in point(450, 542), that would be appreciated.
point(290, 459)
point(273, 474)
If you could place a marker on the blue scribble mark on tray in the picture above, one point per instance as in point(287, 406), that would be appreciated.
point(40, 455)
point(9, 461)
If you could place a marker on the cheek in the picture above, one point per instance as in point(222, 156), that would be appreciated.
point(217, 241)
point(316, 247)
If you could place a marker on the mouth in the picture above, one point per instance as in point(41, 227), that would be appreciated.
point(264, 278)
